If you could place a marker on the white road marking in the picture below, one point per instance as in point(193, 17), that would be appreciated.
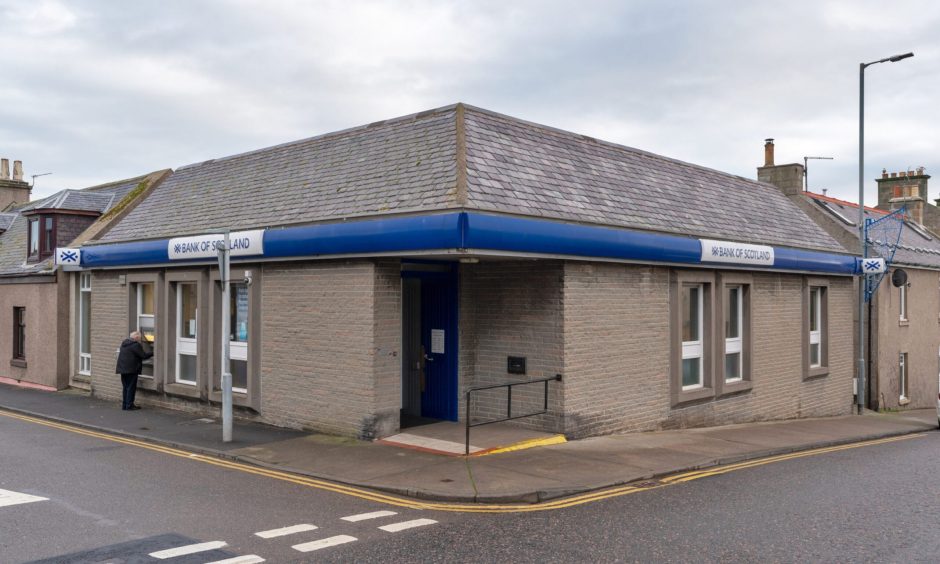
point(324, 543)
point(365, 516)
point(285, 531)
point(15, 498)
point(188, 549)
point(249, 559)
point(395, 527)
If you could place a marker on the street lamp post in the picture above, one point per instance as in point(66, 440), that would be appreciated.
point(863, 244)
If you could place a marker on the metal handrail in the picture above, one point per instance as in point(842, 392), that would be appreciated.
point(556, 378)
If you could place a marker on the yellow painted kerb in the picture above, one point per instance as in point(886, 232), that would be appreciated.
point(522, 445)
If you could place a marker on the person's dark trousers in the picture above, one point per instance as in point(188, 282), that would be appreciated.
point(129, 383)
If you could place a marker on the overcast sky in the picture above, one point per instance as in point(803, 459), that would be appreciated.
point(95, 91)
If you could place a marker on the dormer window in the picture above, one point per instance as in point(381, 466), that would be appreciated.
point(41, 243)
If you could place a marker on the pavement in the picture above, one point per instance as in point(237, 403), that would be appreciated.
point(503, 470)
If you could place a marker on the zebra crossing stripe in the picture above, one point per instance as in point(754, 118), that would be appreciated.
point(15, 498)
point(324, 543)
point(249, 559)
point(365, 516)
point(286, 531)
point(188, 549)
point(395, 527)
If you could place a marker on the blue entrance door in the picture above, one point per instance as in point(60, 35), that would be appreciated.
point(439, 344)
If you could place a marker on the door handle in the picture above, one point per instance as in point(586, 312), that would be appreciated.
point(428, 359)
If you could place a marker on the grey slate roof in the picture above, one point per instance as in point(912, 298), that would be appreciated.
point(14, 240)
point(917, 246)
point(416, 163)
point(6, 219)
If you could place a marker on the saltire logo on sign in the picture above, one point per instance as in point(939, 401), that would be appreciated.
point(68, 257)
point(873, 266)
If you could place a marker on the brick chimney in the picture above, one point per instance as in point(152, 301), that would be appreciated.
point(12, 190)
point(907, 189)
point(788, 177)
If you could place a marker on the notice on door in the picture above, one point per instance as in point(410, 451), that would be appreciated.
point(437, 341)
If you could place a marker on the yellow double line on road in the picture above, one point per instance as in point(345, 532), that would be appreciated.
point(452, 507)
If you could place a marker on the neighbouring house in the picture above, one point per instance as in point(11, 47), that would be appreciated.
point(902, 321)
point(38, 302)
point(380, 272)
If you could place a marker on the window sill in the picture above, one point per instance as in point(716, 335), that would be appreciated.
point(816, 372)
point(729, 388)
point(19, 362)
point(689, 396)
point(185, 390)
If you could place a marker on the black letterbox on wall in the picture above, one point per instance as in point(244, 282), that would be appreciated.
point(516, 365)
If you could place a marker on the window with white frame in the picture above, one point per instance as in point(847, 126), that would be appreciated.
point(145, 321)
point(692, 336)
point(238, 338)
point(902, 375)
point(815, 327)
point(734, 333)
point(902, 301)
point(84, 324)
point(186, 333)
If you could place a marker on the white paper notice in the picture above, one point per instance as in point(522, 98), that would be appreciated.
point(437, 341)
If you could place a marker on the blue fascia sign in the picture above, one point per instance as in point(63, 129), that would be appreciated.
point(468, 232)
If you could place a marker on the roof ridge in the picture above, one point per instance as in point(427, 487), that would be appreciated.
point(115, 182)
point(823, 197)
point(401, 119)
point(611, 144)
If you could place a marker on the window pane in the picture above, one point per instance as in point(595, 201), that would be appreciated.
point(187, 368)
point(814, 309)
point(691, 295)
point(691, 372)
point(239, 313)
point(733, 366)
point(48, 242)
point(814, 354)
point(33, 236)
point(187, 313)
point(146, 298)
point(84, 322)
point(239, 374)
point(732, 309)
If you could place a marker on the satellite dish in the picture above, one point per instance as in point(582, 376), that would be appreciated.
point(898, 278)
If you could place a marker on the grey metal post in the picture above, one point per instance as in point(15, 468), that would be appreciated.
point(224, 273)
point(860, 392)
point(863, 244)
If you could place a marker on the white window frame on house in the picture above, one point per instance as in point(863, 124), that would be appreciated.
point(694, 349)
point(140, 306)
point(186, 346)
point(84, 320)
point(903, 378)
point(902, 302)
point(815, 335)
point(734, 344)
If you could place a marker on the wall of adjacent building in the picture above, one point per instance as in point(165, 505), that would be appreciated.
point(919, 337)
point(43, 332)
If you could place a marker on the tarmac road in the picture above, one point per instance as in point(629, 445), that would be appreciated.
point(108, 501)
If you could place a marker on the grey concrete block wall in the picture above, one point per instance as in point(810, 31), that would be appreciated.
point(617, 354)
point(511, 308)
point(319, 352)
point(616, 333)
point(109, 321)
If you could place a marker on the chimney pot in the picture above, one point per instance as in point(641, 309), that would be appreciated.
point(894, 175)
point(920, 171)
point(884, 173)
point(18, 170)
point(4, 169)
point(903, 174)
point(769, 152)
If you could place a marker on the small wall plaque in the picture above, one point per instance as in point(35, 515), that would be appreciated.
point(516, 365)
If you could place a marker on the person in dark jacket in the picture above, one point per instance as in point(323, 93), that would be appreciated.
point(129, 364)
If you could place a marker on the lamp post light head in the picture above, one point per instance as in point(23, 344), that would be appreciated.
point(897, 58)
